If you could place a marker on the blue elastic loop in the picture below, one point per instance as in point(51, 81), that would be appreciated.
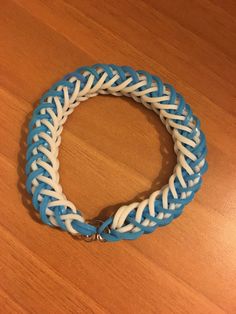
point(149, 81)
point(84, 228)
point(79, 76)
point(159, 85)
point(31, 147)
point(121, 73)
point(132, 73)
point(57, 212)
point(42, 209)
point(37, 192)
point(31, 160)
point(106, 69)
point(35, 131)
point(144, 229)
point(31, 177)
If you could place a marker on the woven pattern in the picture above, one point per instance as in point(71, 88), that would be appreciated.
point(133, 220)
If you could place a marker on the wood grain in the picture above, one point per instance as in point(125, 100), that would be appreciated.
point(113, 152)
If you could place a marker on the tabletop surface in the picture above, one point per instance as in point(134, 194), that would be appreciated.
point(113, 152)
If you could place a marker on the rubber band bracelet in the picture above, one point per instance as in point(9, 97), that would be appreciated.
point(44, 138)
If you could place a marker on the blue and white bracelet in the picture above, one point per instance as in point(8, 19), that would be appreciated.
point(44, 138)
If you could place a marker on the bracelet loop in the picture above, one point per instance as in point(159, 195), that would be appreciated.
point(44, 138)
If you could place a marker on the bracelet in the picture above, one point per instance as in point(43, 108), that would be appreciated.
point(44, 138)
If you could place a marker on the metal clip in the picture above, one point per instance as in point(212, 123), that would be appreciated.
point(96, 236)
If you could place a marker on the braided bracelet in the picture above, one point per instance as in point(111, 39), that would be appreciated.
point(133, 220)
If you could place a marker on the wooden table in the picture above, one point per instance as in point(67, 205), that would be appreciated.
point(114, 151)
